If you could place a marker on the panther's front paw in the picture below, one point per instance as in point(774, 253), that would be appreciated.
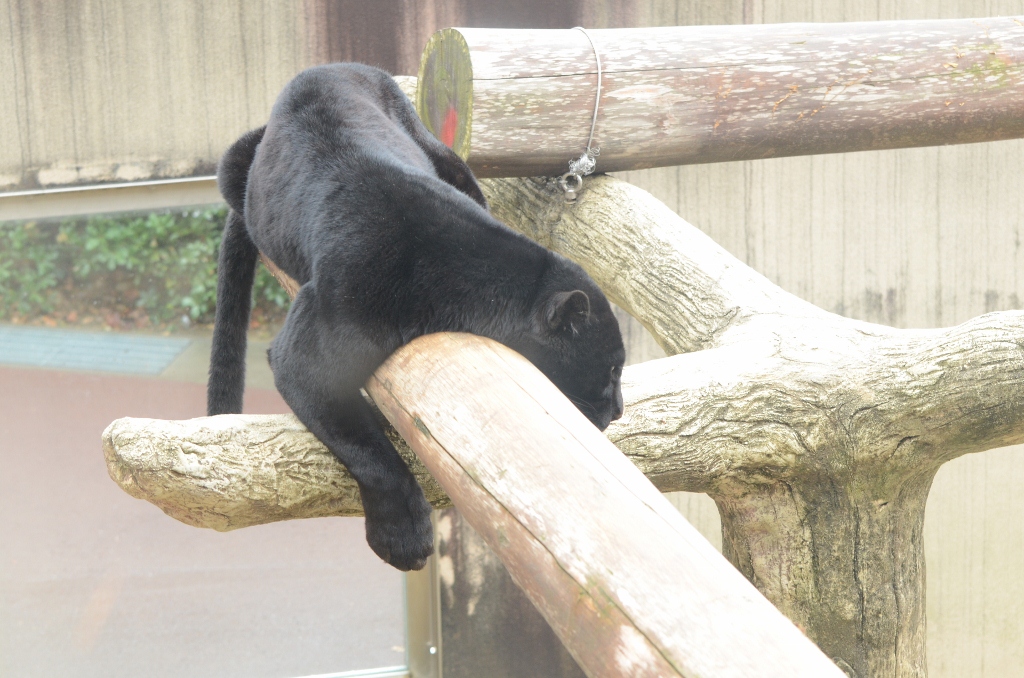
point(398, 530)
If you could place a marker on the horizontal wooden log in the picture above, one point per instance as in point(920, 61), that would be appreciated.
point(691, 421)
point(520, 102)
point(628, 585)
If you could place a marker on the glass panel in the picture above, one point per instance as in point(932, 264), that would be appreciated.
point(103, 318)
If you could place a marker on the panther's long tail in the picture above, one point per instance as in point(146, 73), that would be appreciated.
point(235, 273)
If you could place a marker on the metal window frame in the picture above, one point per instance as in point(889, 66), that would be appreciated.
point(51, 203)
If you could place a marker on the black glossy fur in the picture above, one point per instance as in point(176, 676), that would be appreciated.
point(388, 234)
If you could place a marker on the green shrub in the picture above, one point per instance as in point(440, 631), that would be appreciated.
point(162, 265)
point(28, 271)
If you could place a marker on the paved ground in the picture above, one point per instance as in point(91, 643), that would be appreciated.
point(96, 583)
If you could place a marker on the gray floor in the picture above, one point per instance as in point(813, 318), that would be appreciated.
point(96, 583)
point(192, 363)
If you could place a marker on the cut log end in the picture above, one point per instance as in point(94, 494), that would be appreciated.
point(446, 107)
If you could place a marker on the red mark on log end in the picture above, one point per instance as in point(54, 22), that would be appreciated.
point(451, 123)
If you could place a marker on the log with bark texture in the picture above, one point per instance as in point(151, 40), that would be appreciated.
point(629, 586)
point(520, 102)
point(234, 471)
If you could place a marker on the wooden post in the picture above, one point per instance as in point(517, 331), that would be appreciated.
point(520, 102)
point(628, 585)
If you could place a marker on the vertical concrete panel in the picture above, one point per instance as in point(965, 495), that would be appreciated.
point(391, 34)
point(14, 137)
point(123, 90)
point(974, 541)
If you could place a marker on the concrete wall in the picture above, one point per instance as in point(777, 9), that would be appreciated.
point(97, 91)
point(121, 90)
point(913, 238)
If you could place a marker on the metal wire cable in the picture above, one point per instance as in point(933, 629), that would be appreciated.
point(587, 162)
point(597, 99)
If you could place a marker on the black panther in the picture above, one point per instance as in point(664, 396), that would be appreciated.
point(388, 234)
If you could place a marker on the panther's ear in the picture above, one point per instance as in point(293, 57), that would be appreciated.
point(565, 308)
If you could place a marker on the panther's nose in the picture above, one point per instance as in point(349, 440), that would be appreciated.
point(618, 406)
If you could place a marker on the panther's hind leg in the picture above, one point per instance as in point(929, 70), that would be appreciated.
point(320, 361)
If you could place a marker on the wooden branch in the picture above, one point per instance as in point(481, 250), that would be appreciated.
point(691, 422)
point(685, 288)
point(629, 586)
point(894, 404)
point(233, 471)
point(289, 285)
point(520, 102)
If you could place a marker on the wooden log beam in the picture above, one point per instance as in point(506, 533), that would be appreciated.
point(520, 102)
point(628, 585)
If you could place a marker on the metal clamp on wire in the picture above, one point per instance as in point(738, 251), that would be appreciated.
point(587, 162)
point(578, 168)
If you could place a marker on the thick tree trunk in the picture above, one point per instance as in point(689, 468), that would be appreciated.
point(845, 565)
point(521, 102)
